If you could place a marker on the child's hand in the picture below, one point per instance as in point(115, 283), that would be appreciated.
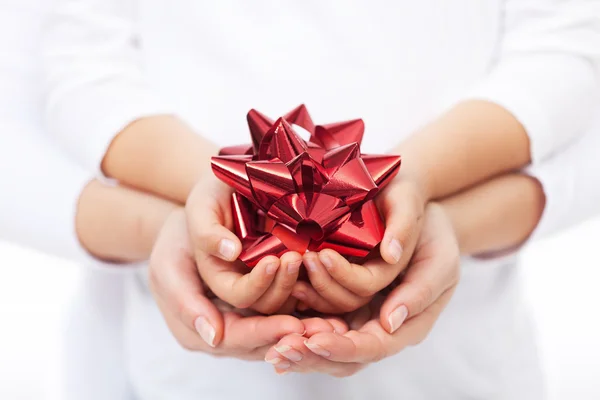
point(339, 286)
point(264, 288)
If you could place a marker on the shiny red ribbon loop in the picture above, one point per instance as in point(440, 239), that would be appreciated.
point(294, 195)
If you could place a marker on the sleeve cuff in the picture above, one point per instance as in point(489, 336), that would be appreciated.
point(558, 191)
point(41, 207)
point(552, 95)
point(87, 128)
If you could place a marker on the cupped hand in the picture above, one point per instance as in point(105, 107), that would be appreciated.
point(194, 320)
point(266, 287)
point(386, 325)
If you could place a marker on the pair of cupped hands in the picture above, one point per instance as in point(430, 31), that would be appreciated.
point(364, 313)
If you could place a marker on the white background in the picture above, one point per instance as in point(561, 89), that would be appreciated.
point(561, 276)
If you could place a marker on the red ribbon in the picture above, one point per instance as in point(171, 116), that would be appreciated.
point(297, 195)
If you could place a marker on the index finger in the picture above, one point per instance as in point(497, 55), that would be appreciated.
point(182, 293)
point(363, 280)
point(352, 347)
point(175, 282)
point(236, 288)
point(249, 333)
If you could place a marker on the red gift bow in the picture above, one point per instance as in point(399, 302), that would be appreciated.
point(294, 195)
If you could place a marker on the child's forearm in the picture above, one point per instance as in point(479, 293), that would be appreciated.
point(496, 215)
point(471, 143)
point(160, 155)
point(118, 224)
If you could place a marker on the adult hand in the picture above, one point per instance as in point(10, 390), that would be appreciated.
point(404, 318)
point(194, 320)
point(264, 288)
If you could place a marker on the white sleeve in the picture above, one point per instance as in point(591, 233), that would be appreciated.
point(571, 182)
point(40, 190)
point(546, 72)
point(94, 82)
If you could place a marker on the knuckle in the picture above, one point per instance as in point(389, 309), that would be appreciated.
point(418, 339)
point(181, 310)
point(320, 285)
point(265, 281)
point(372, 287)
point(258, 278)
point(287, 285)
point(200, 239)
point(252, 294)
point(382, 353)
point(369, 288)
point(344, 277)
point(423, 297)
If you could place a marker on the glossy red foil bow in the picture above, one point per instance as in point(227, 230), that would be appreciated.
point(292, 194)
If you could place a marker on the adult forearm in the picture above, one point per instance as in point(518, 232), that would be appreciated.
point(115, 223)
point(472, 142)
point(496, 215)
point(160, 155)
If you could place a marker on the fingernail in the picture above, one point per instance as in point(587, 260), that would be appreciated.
point(311, 264)
point(272, 268)
point(325, 260)
point(318, 350)
point(227, 249)
point(283, 365)
point(294, 267)
point(397, 317)
point(273, 360)
point(205, 330)
point(280, 373)
point(289, 353)
point(395, 249)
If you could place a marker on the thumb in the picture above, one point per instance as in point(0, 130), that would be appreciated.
point(201, 315)
point(402, 210)
point(176, 285)
point(207, 210)
point(434, 269)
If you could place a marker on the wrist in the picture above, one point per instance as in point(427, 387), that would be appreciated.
point(416, 175)
point(114, 223)
point(416, 166)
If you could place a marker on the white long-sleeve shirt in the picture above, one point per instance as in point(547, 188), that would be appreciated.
point(40, 185)
point(397, 67)
point(110, 62)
